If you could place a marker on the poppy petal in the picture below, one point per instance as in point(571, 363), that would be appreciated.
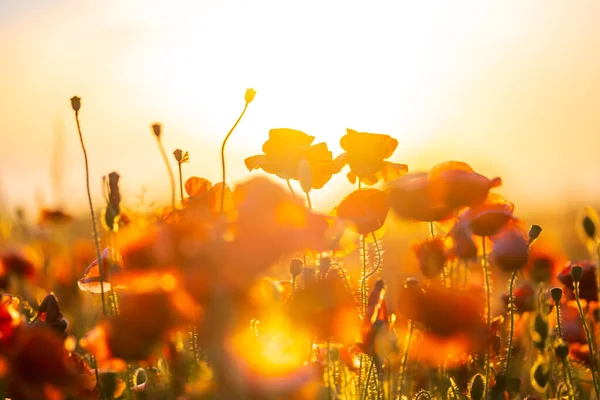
point(195, 186)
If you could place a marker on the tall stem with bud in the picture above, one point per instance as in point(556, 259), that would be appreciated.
point(76, 105)
point(157, 129)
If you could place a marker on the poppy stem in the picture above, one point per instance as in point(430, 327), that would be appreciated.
point(378, 259)
point(366, 392)
point(589, 340)
point(363, 286)
point(223, 154)
point(289, 185)
point(308, 201)
point(93, 215)
point(328, 371)
point(405, 358)
point(180, 182)
point(511, 312)
point(163, 153)
point(489, 315)
point(566, 369)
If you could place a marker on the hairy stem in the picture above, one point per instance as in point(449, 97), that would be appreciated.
point(589, 340)
point(488, 316)
point(163, 153)
point(92, 213)
point(223, 154)
point(566, 369)
point(180, 182)
point(511, 313)
point(366, 392)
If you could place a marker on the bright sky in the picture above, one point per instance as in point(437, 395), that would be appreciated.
point(511, 87)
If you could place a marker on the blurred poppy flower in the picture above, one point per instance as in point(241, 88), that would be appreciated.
point(490, 217)
point(284, 152)
point(572, 327)
point(17, 264)
point(588, 287)
point(542, 263)
point(326, 308)
point(431, 254)
point(86, 383)
point(458, 185)
point(207, 197)
point(463, 246)
point(10, 319)
point(39, 364)
point(525, 298)
point(54, 217)
point(452, 318)
point(365, 154)
point(367, 209)
point(135, 332)
point(112, 263)
point(49, 312)
point(413, 197)
point(510, 249)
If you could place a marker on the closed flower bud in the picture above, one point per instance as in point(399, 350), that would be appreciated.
point(556, 293)
point(576, 272)
point(157, 129)
point(75, 103)
point(296, 267)
point(250, 93)
point(178, 155)
point(534, 233)
point(477, 387)
point(589, 227)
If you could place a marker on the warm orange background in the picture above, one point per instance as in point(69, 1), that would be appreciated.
point(511, 87)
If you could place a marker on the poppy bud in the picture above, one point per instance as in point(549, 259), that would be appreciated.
point(561, 349)
point(576, 272)
point(540, 376)
point(250, 93)
point(477, 387)
point(178, 155)
point(534, 233)
point(157, 129)
point(75, 103)
point(556, 293)
point(589, 227)
point(296, 267)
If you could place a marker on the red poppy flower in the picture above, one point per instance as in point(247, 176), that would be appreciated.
point(588, 287)
point(490, 217)
point(284, 152)
point(543, 262)
point(458, 185)
point(366, 208)
point(431, 254)
point(17, 264)
point(524, 298)
point(366, 154)
point(463, 245)
point(510, 249)
point(413, 197)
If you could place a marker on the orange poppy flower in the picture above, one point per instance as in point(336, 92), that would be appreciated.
point(458, 185)
point(414, 197)
point(510, 249)
point(284, 152)
point(112, 263)
point(366, 208)
point(490, 217)
point(431, 254)
point(365, 155)
point(327, 309)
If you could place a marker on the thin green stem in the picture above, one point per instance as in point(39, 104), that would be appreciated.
point(589, 340)
point(366, 392)
point(511, 313)
point(163, 153)
point(180, 182)
point(223, 155)
point(405, 359)
point(489, 315)
point(92, 213)
point(289, 185)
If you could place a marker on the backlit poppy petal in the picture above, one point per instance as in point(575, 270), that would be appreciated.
point(195, 186)
point(366, 208)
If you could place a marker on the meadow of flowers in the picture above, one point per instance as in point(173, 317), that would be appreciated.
point(192, 303)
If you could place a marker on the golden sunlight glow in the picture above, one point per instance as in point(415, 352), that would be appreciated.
point(509, 87)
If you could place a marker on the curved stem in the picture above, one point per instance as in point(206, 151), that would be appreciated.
point(378, 258)
point(566, 370)
point(93, 215)
point(589, 340)
point(405, 359)
point(489, 315)
point(289, 185)
point(223, 155)
point(163, 153)
point(511, 312)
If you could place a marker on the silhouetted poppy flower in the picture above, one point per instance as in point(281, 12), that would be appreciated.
point(54, 217)
point(413, 197)
point(284, 152)
point(326, 308)
point(588, 287)
point(431, 254)
point(365, 154)
point(458, 185)
point(39, 365)
point(510, 249)
point(524, 298)
point(112, 263)
point(367, 209)
point(490, 217)
point(17, 264)
point(49, 312)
